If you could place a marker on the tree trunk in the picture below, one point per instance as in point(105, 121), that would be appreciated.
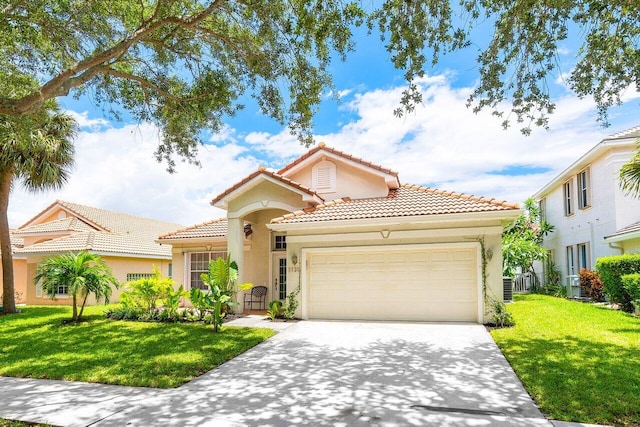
point(75, 308)
point(8, 290)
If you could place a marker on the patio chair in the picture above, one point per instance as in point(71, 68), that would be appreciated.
point(257, 294)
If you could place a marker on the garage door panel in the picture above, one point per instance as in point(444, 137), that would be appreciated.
point(410, 284)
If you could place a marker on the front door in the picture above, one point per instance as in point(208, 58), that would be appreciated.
point(280, 276)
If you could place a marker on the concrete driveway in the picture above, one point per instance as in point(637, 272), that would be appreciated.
point(314, 373)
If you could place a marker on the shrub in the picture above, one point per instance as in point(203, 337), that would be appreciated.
point(291, 303)
point(592, 284)
point(611, 269)
point(631, 283)
point(275, 307)
point(124, 313)
point(499, 315)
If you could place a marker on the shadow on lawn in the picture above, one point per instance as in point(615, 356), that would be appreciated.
point(579, 380)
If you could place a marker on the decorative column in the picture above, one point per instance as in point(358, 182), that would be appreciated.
point(235, 248)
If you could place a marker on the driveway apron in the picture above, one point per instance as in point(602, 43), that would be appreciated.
point(342, 374)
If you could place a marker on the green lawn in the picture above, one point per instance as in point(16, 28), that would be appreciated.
point(578, 361)
point(35, 344)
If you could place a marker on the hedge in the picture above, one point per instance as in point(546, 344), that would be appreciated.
point(631, 284)
point(611, 270)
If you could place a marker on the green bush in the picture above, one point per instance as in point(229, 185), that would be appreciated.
point(611, 270)
point(631, 283)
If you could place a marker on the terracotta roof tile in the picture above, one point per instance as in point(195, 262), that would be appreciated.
point(408, 200)
point(209, 229)
point(633, 132)
point(263, 171)
point(323, 147)
point(65, 224)
point(101, 242)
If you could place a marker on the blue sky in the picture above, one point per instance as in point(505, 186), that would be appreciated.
point(442, 144)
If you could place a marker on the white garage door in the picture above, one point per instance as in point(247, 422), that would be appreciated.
point(417, 283)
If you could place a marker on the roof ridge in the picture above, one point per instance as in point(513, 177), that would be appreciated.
point(463, 196)
point(323, 146)
point(624, 133)
point(192, 227)
point(110, 211)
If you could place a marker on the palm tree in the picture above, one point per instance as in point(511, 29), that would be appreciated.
point(630, 175)
point(78, 275)
point(38, 150)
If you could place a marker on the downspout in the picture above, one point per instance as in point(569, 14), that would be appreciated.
point(618, 247)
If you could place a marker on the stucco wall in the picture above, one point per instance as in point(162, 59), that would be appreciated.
point(610, 210)
point(121, 266)
point(19, 280)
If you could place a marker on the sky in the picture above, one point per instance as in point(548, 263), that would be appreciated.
point(442, 144)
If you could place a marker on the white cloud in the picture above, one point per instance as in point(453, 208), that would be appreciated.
point(441, 144)
point(84, 121)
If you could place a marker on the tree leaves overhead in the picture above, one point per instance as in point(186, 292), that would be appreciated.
point(184, 64)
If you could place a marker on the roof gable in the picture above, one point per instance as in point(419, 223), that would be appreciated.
point(262, 174)
point(321, 152)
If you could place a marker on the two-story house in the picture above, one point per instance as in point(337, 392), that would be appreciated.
point(592, 216)
point(358, 243)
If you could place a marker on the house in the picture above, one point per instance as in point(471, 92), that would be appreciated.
point(592, 216)
point(125, 242)
point(358, 243)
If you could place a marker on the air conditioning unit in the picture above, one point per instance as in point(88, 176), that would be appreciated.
point(507, 286)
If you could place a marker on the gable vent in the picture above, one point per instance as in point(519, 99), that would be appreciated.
point(324, 177)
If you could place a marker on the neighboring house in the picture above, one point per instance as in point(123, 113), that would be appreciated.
point(358, 243)
point(125, 242)
point(592, 216)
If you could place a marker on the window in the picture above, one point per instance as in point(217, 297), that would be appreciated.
point(568, 198)
point(279, 242)
point(583, 189)
point(62, 290)
point(542, 206)
point(571, 267)
point(583, 256)
point(170, 270)
point(136, 276)
point(198, 264)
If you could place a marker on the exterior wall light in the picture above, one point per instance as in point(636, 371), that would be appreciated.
point(294, 259)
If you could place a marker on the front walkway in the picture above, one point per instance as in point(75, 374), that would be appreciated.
point(311, 373)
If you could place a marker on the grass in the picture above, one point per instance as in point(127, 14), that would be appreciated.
point(13, 423)
point(36, 344)
point(578, 361)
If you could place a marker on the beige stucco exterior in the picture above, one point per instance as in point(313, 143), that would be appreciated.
point(297, 188)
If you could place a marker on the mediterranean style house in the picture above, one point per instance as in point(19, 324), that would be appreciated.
point(357, 242)
point(592, 216)
point(125, 242)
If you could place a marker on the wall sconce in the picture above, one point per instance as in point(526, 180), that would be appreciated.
point(489, 254)
point(294, 259)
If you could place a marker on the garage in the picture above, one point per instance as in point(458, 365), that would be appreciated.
point(410, 282)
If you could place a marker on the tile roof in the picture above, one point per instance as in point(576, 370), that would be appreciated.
point(214, 228)
point(263, 171)
point(408, 200)
point(121, 223)
point(16, 241)
point(98, 230)
point(633, 132)
point(323, 147)
point(64, 224)
point(209, 229)
point(633, 228)
point(101, 242)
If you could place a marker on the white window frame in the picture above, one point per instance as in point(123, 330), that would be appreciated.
point(212, 255)
point(571, 261)
point(583, 256)
point(136, 276)
point(567, 194)
point(584, 184)
point(542, 206)
point(279, 242)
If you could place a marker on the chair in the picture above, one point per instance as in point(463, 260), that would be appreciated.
point(257, 294)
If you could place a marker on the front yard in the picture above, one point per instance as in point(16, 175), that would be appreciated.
point(35, 344)
point(578, 361)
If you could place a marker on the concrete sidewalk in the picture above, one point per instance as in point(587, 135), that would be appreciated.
point(311, 373)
